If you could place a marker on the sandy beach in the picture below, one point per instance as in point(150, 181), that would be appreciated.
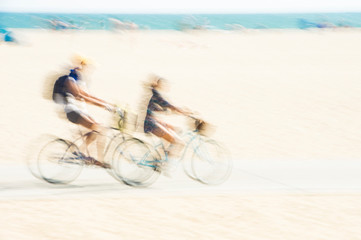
point(186, 217)
point(271, 95)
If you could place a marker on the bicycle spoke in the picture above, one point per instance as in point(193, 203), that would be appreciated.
point(57, 162)
point(130, 163)
point(211, 163)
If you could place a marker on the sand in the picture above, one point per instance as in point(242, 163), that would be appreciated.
point(220, 216)
point(271, 95)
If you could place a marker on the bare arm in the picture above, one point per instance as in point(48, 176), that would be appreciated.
point(158, 99)
point(176, 109)
point(78, 93)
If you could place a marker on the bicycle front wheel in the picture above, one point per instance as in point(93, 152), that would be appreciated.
point(58, 162)
point(134, 163)
point(211, 163)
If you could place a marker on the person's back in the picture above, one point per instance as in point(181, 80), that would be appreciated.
point(59, 90)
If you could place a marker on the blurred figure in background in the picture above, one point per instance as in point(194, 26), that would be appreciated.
point(117, 25)
point(6, 35)
point(194, 23)
point(70, 91)
point(159, 128)
point(56, 24)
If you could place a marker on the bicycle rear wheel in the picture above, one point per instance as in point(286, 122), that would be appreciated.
point(211, 163)
point(58, 162)
point(133, 163)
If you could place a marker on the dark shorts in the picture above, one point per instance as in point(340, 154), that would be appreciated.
point(149, 124)
point(74, 116)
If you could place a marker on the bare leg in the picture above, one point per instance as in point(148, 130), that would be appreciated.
point(176, 144)
point(176, 147)
point(89, 123)
point(101, 146)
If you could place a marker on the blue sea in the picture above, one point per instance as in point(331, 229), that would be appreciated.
point(181, 21)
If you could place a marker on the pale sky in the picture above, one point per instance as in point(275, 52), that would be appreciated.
point(180, 6)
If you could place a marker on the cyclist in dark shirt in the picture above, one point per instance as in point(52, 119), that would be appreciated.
point(154, 125)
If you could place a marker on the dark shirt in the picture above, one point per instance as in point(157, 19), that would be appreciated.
point(156, 104)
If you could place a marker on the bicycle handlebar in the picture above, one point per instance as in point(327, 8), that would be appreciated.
point(120, 112)
point(193, 117)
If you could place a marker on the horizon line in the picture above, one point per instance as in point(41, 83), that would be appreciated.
point(186, 12)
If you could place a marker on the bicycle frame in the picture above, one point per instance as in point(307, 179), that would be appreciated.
point(119, 129)
point(193, 137)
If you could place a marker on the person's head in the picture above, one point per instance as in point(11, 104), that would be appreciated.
point(80, 62)
point(159, 83)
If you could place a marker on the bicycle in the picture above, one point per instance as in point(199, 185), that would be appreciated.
point(209, 164)
point(60, 162)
